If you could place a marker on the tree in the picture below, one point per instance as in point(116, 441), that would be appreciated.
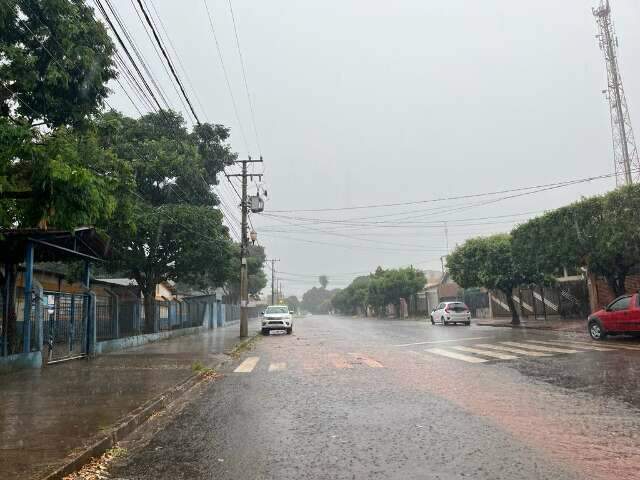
point(598, 233)
point(53, 76)
point(324, 281)
point(318, 300)
point(57, 61)
point(173, 231)
point(257, 279)
point(487, 262)
point(387, 287)
point(293, 303)
point(353, 298)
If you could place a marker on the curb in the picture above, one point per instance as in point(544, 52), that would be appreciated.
point(131, 422)
point(524, 327)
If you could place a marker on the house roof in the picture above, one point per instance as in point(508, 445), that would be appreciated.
point(122, 282)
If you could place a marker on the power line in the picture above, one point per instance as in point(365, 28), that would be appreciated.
point(226, 77)
point(128, 54)
point(244, 76)
point(166, 56)
point(175, 52)
point(459, 197)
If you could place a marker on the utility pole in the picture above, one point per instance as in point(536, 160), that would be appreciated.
point(244, 244)
point(625, 151)
point(273, 279)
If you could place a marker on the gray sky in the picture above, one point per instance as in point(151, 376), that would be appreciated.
point(372, 102)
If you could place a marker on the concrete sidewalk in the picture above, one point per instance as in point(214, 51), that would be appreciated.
point(50, 413)
point(574, 326)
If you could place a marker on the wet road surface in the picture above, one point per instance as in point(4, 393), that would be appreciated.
point(347, 398)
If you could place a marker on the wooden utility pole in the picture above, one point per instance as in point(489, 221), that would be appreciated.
point(244, 243)
point(273, 280)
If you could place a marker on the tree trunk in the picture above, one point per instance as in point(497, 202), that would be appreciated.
point(616, 284)
point(515, 319)
point(149, 311)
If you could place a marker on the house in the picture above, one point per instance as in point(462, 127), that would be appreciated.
point(164, 290)
point(444, 289)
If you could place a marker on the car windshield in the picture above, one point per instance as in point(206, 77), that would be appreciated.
point(277, 310)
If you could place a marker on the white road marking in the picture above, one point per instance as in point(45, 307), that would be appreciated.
point(277, 366)
point(441, 341)
point(574, 345)
point(604, 344)
point(248, 365)
point(540, 348)
point(370, 362)
point(528, 353)
point(457, 356)
point(486, 353)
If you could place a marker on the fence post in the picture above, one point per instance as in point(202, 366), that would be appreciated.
point(40, 316)
point(91, 322)
point(28, 295)
point(116, 316)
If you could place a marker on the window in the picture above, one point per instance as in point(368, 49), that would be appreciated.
point(277, 310)
point(620, 304)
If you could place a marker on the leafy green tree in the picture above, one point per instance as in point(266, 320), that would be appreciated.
point(387, 287)
point(323, 280)
point(173, 230)
point(487, 262)
point(55, 62)
point(257, 279)
point(318, 300)
point(293, 303)
point(599, 233)
point(353, 298)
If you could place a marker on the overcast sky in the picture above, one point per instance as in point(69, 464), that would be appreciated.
point(376, 102)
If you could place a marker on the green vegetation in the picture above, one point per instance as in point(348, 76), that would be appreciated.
point(382, 288)
point(170, 226)
point(146, 182)
point(599, 234)
point(487, 262)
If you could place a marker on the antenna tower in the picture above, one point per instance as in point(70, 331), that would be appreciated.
point(625, 152)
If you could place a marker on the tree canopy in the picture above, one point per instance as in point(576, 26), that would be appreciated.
point(487, 262)
point(598, 233)
point(172, 230)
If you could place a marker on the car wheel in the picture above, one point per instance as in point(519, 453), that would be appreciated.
point(444, 322)
point(265, 331)
point(432, 321)
point(596, 331)
point(468, 324)
point(289, 330)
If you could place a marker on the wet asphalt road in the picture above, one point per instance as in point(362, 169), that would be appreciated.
point(347, 398)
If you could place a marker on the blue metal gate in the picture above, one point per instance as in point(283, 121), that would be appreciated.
point(65, 329)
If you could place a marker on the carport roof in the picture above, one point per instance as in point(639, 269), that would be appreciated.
point(53, 245)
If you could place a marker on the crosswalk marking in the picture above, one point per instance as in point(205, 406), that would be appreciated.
point(539, 347)
point(277, 366)
point(528, 353)
point(370, 362)
point(457, 356)
point(248, 365)
point(486, 353)
point(605, 344)
point(574, 345)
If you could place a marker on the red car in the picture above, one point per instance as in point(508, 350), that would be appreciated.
point(622, 316)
